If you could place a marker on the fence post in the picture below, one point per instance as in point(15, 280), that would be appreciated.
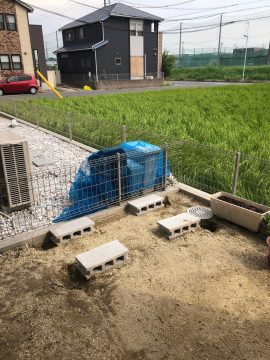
point(69, 126)
point(124, 133)
point(119, 178)
point(236, 172)
point(165, 161)
point(37, 118)
point(15, 110)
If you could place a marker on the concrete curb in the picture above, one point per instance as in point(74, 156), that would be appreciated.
point(199, 195)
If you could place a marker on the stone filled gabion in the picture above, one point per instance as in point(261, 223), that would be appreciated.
point(50, 183)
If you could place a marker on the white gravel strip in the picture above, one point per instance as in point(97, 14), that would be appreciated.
point(50, 182)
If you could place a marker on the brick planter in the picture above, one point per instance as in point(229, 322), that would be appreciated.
point(241, 215)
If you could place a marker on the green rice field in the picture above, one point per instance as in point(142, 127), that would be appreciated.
point(203, 128)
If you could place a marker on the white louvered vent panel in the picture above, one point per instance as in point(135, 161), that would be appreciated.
point(16, 174)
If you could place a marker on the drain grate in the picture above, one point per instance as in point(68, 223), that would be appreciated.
point(200, 212)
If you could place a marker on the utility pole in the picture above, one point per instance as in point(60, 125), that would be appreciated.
point(57, 43)
point(268, 58)
point(47, 55)
point(219, 39)
point(180, 45)
point(245, 61)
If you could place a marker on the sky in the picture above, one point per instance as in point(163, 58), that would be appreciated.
point(200, 21)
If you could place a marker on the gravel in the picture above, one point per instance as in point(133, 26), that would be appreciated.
point(50, 181)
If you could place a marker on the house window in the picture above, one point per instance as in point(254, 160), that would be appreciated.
point(2, 23)
point(118, 61)
point(82, 32)
point(4, 62)
point(152, 27)
point(70, 35)
point(140, 28)
point(11, 22)
point(16, 62)
point(136, 28)
point(132, 28)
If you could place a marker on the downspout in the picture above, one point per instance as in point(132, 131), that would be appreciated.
point(96, 65)
point(103, 35)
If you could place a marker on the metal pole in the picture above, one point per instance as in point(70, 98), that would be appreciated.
point(180, 45)
point(15, 110)
point(47, 54)
point(124, 134)
point(119, 178)
point(145, 69)
point(57, 40)
point(165, 160)
point(245, 61)
point(219, 39)
point(268, 57)
point(69, 126)
point(236, 172)
point(37, 117)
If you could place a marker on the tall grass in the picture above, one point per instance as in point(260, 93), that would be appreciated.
point(204, 127)
point(226, 73)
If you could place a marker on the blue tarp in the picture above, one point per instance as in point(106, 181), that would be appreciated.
point(96, 184)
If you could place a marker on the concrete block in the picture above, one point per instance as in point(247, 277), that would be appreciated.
point(42, 161)
point(178, 225)
point(101, 259)
point(145, 204)
point(68, 230)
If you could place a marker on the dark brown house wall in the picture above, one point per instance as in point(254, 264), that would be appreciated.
point(9, 40)
point(37, 43)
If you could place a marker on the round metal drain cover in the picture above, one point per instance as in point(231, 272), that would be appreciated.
point(200, 212)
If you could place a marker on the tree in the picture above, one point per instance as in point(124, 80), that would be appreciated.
point(168, 62)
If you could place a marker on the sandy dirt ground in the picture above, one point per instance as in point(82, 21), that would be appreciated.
point(203, 296)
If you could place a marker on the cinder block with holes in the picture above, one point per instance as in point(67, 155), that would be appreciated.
point(145, 204)
point(101, 259)
point(65, 231)
point(178, 225)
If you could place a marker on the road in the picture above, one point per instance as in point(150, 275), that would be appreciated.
point(174, 85)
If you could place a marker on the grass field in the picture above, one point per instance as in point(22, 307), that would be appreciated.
point(228, 73)
point(223, 120)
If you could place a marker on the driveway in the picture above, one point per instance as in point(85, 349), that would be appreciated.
point(68, 93)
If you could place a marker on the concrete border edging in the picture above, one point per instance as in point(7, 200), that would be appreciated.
point(197, 194)
point(38, 238)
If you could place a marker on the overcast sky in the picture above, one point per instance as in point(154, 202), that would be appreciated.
point(195, 15)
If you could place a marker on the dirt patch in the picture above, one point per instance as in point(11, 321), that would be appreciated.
point(202, 296)
point(241, 204)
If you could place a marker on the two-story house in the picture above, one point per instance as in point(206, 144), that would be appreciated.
point(15, 44)
point(116, 40)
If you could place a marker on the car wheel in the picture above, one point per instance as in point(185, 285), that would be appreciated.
point(1, 92)
point(33, 90)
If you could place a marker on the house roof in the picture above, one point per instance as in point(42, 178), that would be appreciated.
point(118, 10)
point(81, 47)
point(22, 3)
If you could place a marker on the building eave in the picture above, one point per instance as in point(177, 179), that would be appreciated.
point(26, 6)
point(93, 47)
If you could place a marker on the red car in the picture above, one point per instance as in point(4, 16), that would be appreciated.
point(15, 84)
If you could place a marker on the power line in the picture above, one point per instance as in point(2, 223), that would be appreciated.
point(213, 15)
